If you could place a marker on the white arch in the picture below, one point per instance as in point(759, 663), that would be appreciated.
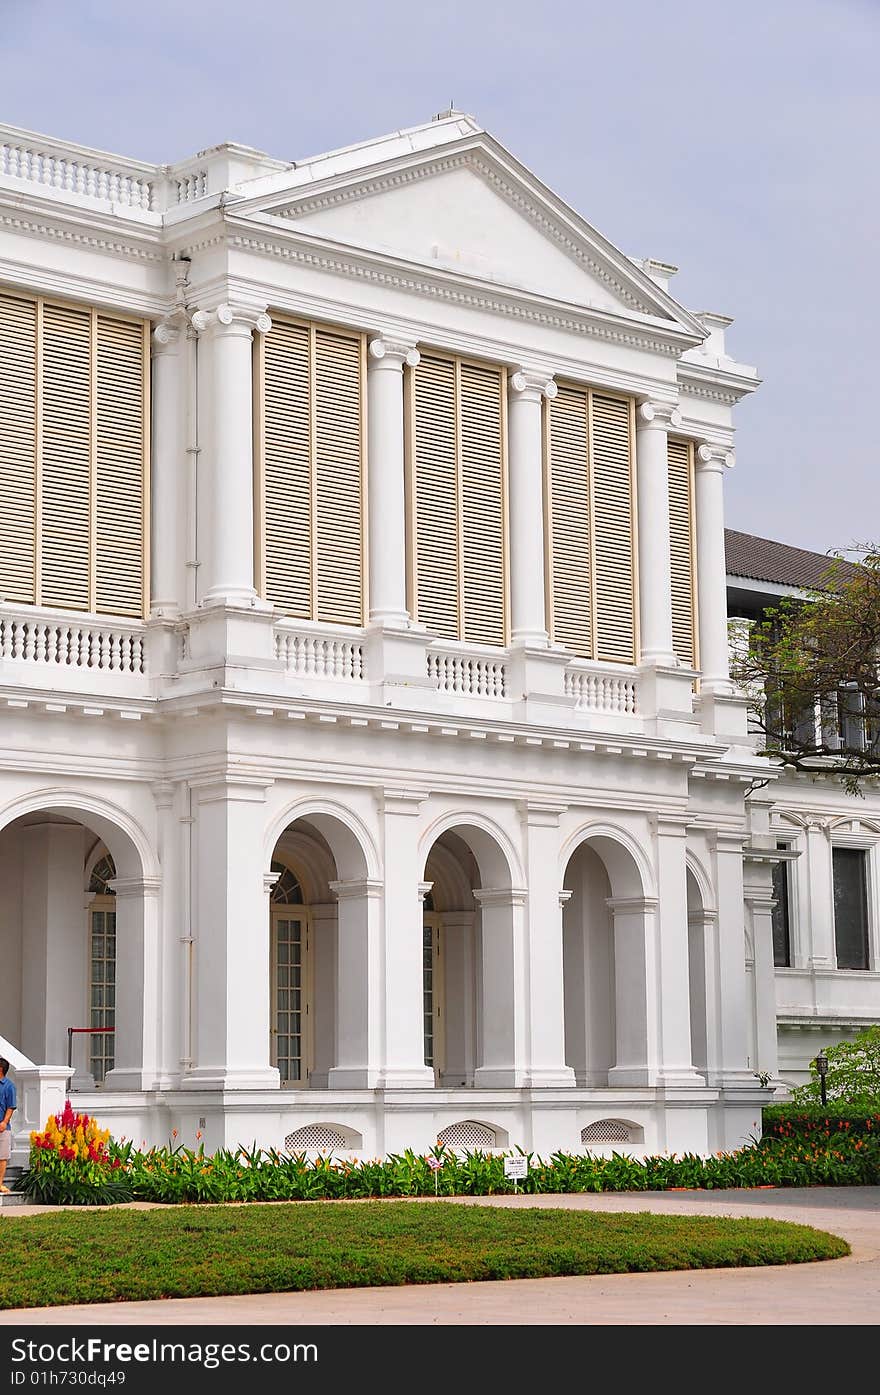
point(490, 841)
point(132, 854)
point(351, 843)
point(451, 884)
point(702, 880)
point(621, 854)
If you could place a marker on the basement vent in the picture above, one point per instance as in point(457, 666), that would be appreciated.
point(319, 1136)
point(467, 1136)
point(612, 1131)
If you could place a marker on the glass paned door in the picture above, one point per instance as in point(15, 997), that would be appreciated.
point(102, 988)
point(290, 1007)
point(432, 993)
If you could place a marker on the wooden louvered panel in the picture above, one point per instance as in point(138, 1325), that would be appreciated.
point(569, 521)
point(339, 479)
point(613, 529)
point(436, 497)
point(18, 448)
point(287, 447)
point(482, 505)
point(66, 464)
point(119, 463)
point(682, 550)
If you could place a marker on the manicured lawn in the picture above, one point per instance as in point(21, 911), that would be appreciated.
point(185, 1252)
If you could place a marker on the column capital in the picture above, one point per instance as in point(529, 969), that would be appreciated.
point(132, 887)
point(166, 335)
point(711, 455)
point(393, 351)
point(354, 890)
point(501, 896)
point(269, 880)
point(401, 801)
point(231, 318)
point(658, 415)
point(424, 888)
point(531, 384)
point(565, 896)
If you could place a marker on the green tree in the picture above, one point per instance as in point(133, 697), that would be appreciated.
point(812, 675)
point(853, 1074)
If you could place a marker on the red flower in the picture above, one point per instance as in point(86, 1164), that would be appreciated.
point(68, 1154)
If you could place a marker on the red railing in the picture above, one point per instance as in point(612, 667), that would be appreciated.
point(87, 1031)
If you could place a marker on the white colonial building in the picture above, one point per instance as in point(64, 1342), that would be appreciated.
point(369, 765)
point(826, 882)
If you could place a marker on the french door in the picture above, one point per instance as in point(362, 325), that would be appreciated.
point(432, 993)
point(291, 1033)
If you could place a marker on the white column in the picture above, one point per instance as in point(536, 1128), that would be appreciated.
point(404, 1048)
point(653, 421)
point(167, 473)
point(386, 488)
point(527, 390)
point(821, 951)
point(635, 995)
point(231, 959)
point(710, 464)
point(546, 1064)
point(759, 905)
point(138, 1003)
point(324, 937)
point(228, 480)
point(358, 998)
point(731, 1010)
point(504, 1017)
point(675, 1063)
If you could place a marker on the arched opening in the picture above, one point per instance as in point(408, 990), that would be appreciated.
point(78, 930)
point(470, 920)
point(321, 925)
point(604, 948)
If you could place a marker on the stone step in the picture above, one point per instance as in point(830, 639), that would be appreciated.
point(13, 1199)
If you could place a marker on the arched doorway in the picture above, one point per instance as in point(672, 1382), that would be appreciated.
point(323, 925)
point(78, 937)
point(473, 1001)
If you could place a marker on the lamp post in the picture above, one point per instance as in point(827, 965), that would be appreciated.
point(822, 1071)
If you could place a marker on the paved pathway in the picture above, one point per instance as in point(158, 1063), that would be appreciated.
point(844, 1291)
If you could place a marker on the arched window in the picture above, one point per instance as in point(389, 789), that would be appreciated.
point(102, 967)
point(287, 890)
point(291, 979)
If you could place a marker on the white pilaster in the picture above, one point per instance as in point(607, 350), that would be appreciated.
point(228, 482)
point(403, 1065)
point(387, 500)
point(167, 472)
point(138, 996)
point(731, 1010)
point(710, 464)
point(673, 1012)
point(231, 1046)
point(546, 1065)
point(635, 991)
point(358, 991)
point(527, 390)
point(504, 1014)
point(821, 953)
point(759, 905)
point(653, 421)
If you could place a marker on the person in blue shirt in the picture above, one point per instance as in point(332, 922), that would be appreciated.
point(7, 1109)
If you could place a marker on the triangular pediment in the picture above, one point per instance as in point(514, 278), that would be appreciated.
point(469, 207)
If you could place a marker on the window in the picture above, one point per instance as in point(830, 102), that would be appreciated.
point(290, 1044)
point(102, 968)
point(781, 914)
point(309, 456)
point(850, 908)
point(457, 499)
point(681, 548)
point(74, 413)
point(589, 520)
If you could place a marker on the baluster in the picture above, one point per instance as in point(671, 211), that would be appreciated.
point(92, 182)
point(80, 178)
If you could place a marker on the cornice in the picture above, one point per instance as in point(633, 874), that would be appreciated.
point(36, 221)
point(380, 269)
point(714, 384)
point(476, 160)
point(42, 280)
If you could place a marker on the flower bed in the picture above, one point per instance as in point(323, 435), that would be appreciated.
point(74, 1162)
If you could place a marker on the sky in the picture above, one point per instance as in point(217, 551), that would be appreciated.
point(737, 141)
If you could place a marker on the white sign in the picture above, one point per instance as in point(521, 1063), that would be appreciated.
point(517, 1168)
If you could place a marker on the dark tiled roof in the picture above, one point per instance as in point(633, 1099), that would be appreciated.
point(761, 559)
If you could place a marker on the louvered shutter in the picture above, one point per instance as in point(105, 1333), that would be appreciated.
point(339, 469)
point(18, 448)
point(568, 518)
point(67, 453)
point(681, 547)
point(482, 505)
point(613, 529)
point(436, 540)
point(119, 461)
point(287, 454)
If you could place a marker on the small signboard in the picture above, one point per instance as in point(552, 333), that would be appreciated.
point(517, 1168)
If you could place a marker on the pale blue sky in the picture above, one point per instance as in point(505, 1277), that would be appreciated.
point(738, 141)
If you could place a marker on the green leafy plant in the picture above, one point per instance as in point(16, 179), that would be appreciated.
point(853, 1074)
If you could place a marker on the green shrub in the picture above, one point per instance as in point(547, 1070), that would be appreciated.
point(853, 1076)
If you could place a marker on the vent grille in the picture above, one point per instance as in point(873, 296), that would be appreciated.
point(467, 1136)
point(612, 1131)
point(315, 1136)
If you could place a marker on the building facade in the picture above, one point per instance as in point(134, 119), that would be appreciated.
point(826, 882)
point(370, 769)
